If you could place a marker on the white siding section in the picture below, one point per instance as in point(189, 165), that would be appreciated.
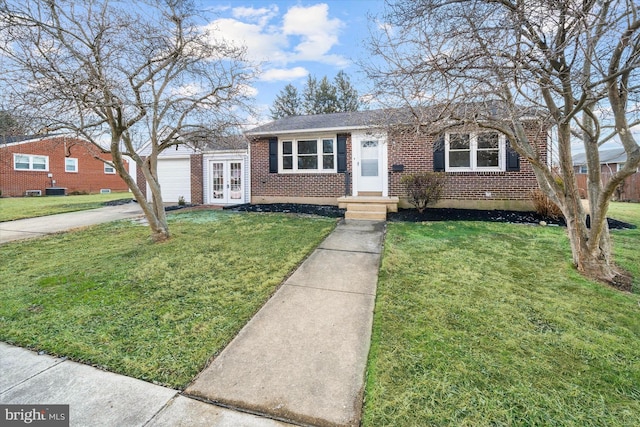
point(178, 150)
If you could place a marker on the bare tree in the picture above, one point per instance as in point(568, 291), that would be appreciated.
point(124, 72)
point(572, 63)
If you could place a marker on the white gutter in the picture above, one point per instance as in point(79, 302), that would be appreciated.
point(311, 130)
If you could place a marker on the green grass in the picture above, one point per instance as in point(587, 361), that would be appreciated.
point(109, 297)
point(29, 207)
point(483, 324)
point(627, 242)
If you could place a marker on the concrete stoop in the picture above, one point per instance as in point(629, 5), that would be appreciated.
point(367, 211)
point(371, 208)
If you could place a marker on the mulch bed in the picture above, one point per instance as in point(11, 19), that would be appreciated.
point(430, 214)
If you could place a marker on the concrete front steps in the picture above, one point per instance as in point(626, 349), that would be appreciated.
point(372, 208)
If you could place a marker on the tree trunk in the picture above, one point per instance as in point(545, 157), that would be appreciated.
point(591, 249)
point(154, 212)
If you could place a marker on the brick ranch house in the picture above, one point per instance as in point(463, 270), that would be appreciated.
point(348, 159)
point(32, 165)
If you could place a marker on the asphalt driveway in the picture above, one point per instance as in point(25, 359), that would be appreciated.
point(42, 226)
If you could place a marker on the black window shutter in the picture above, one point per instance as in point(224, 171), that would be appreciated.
point(342, 153)
point(273, 155)
point(513, 159)
point(438, 154)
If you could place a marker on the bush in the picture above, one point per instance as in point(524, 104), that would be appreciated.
point(424, 188)
point(544, 206)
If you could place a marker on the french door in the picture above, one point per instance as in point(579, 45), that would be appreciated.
point(226, 182)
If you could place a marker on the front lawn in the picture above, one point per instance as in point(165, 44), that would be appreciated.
point(109, 297)
point(12, 208)
point(488, 324)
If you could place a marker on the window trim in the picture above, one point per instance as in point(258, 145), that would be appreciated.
point(75, 164)
point(107, 165)
point(473, 153)
point(31, 158)
point(320, 154)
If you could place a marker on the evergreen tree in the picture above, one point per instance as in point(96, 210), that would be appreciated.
point(346, 95)
point(317, 97)
point(326, 100)
point(9, 125)
point(287, 103)
point(310, 101)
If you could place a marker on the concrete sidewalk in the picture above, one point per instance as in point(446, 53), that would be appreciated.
point(302, 358)
point(99, 398)
point(41, 226)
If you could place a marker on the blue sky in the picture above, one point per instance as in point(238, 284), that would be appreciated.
point(292, 39)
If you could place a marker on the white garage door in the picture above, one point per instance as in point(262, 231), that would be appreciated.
point(175, 179)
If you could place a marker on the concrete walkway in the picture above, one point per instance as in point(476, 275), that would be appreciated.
point(41, 226)
point(303, 356)
point(301, 359)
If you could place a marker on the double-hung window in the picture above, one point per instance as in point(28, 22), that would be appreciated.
point(70, 164)
point(474, 151)
point(109, 170)
point(305, 155)
point(29, 162)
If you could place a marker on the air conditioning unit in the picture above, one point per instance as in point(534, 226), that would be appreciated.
point(105, 190)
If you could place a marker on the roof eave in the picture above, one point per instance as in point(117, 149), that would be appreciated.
point(310, 130)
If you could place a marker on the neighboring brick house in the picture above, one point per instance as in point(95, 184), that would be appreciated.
point(611, 161)
point(33, 164)
point(214, 174)
point(320, 159)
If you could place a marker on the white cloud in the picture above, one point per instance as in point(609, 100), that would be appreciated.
point(317, 31)
point(275, 74)
point(301, 34)
point(261, 16)
point(188, 90)
point(249, 91)
point(260, 44)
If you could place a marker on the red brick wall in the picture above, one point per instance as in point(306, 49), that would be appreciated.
point(196, 179)
point(415, 152)
point(90, 177)
point(268, 184)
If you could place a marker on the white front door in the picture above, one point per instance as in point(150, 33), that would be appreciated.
point(226, 182)
point(369, 164)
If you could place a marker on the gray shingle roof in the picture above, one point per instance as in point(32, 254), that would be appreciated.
point(386, 117)
point(613, 155)
point(24, 138)
point(333, 121)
